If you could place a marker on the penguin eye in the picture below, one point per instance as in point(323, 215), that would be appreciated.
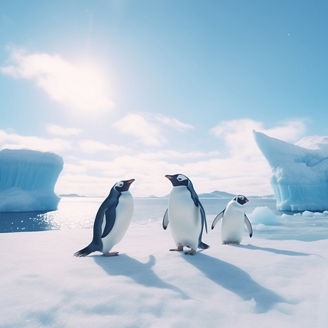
point(120, 184)
point(181, 177)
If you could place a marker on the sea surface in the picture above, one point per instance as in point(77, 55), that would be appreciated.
point(79, 213)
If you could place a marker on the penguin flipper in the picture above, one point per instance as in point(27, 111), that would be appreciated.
point(197, 203)
point(204, 223)
point(217, 218)
point(110, 215)
point(165, 222)
point(109, 210)
point(248, 225)
point(203, 216)
point(192, 191)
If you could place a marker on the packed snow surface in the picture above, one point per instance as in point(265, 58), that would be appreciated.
point(300, 175)
point(27, 180)
point(261, 283)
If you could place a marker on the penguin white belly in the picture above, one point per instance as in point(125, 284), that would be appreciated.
point(184, 218)
point(232, 225)
point(124, 212)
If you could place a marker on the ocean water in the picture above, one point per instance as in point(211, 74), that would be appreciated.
point(79, 212)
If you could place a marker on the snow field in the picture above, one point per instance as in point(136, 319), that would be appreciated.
point(261, 282)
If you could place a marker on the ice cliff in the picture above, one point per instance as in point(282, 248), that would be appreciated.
point(27, 180)
point(300, 175)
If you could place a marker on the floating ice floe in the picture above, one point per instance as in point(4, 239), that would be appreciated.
point(299, 175)
point(27, 180)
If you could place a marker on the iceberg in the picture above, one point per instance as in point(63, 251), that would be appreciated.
point(27, 180)
point(299, 175)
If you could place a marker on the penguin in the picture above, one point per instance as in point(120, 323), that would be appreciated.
point(186, 215)
point(233, 219)
point(112, 220)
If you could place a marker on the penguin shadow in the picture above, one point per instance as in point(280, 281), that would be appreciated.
point(272, 250)
point(235, 280)
point(141, 273)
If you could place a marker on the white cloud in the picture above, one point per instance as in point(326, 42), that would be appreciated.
point(94, 177)
point(290, 131)
point(238, 134)
point(173, 155)
point(148, 128)
point(15, 141)
point(242, 169)
point(149, 174)
point(78, 182)
point(61, 131)
point(215, 173)
point(244, 166)
point(92, 146)
point(137, 126)
point(74, 169)
point(314, 142)
point(81, 87)
point(172, 122)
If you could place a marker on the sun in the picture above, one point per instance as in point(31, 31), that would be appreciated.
point(82, 87)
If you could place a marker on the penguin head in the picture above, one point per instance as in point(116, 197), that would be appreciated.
point(123, 185)
point(178, 179)
point(240, 199)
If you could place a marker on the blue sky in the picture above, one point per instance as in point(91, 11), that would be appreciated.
point(139, 89)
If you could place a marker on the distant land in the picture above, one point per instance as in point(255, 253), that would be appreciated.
point(71, 195)
point(225, 195)
point(217, 194)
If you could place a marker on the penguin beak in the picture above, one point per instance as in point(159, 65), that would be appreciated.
point(130, 181)
point(246, 200)
point(169, 177)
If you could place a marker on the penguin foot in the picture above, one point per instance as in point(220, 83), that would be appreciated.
point(179, 249)
point(191, 252)
point(111, 254)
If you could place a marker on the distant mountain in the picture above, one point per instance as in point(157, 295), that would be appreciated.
point(217, 194)
point(226, 195)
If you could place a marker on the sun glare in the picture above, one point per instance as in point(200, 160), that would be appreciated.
point(82, 87)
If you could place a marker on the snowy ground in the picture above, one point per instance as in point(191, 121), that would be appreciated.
point(262, 283)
